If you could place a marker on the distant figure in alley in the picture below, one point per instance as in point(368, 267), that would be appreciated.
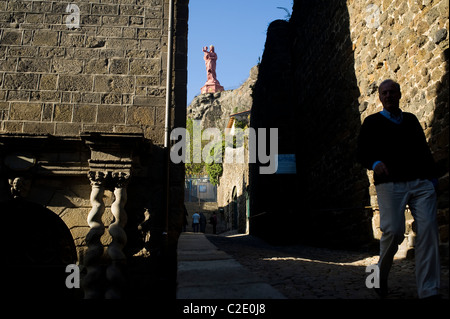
point(195, 222)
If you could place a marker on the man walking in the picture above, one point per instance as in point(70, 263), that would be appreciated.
point(393, 145)
point(195, 222)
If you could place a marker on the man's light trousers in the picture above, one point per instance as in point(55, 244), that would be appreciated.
point(420, 195)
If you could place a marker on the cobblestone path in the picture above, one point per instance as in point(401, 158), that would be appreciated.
point(303, 272)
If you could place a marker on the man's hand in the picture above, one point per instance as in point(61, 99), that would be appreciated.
point(381, 169)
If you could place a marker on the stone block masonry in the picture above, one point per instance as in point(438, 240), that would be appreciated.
point(82, 98)
point(62, 80)
point(407, 41)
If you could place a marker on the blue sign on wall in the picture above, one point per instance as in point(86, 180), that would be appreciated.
point(286, 164)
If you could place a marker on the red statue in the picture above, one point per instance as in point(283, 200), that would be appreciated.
point(212, 85)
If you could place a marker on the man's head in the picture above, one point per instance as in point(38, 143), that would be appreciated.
point(390, 95)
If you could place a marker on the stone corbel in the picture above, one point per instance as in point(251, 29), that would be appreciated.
point(20, 186)
point(19, 169)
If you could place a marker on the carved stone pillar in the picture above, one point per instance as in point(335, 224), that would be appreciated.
point(114, 272)
point(94, 278)
point(110, 169)
point(115, 259)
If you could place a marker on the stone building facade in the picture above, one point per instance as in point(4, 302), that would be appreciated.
point(83, 99)
point(318, 80)
point(233, 192)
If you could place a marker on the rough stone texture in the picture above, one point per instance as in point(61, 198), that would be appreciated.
point(318, 80)
point(115, 58)
point(232, 195)
point(407, 42)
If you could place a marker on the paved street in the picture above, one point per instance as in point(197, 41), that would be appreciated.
point(205, 272)
point(303, 272)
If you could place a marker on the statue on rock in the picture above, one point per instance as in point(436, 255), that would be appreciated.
point(212, 85)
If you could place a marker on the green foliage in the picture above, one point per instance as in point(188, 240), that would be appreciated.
point(193, 169)
point(213, 165)
point(241, 124)
point(215, 171)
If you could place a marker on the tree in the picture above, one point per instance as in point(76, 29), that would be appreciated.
point(215, 167)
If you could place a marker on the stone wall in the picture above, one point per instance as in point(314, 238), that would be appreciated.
point(86, 103)
point(318, 81)
point(232, 193)
point(107, 75)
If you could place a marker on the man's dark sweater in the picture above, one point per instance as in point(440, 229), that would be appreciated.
point(401, 147)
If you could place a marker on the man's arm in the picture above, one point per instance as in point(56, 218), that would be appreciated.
point(366, 144)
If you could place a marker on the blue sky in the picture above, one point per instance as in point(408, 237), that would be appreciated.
point(237, 29)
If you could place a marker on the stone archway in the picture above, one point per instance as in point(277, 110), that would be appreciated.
point(37, 247)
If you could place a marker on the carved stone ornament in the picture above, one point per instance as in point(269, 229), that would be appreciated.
point(20, 186)
point(110, 169)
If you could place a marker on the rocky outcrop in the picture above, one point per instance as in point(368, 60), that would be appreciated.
point(214, 109)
